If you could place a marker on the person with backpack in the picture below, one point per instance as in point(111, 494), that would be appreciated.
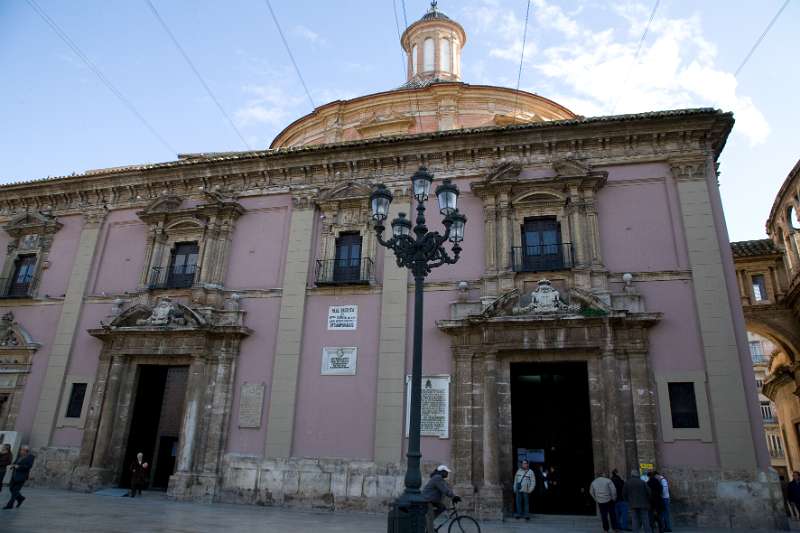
point(524, 483)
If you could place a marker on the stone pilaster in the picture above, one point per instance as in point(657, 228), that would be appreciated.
point(58, 360)
point(280, 421)
point(725, 383)
point(491, 494)
point(389, 406)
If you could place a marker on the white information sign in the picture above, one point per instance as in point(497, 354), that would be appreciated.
point(339, 360)
point(251, 401)
point(435, 406)
point(342, 317)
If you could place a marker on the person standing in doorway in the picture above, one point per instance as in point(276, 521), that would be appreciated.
point(524, 483)
point(139, 470)
point(665, 518)
point(604, 493)
point(637, 496)
point(5, 459)
point(21, 469)
point(656, 502)
point(793, 493)
point(620, 505)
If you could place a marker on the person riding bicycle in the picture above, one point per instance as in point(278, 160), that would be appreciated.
point(437, 488)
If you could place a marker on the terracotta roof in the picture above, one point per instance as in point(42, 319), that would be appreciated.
point(376, 141)
point(753, 248)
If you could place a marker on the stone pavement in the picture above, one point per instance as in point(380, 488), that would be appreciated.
point(59, 511)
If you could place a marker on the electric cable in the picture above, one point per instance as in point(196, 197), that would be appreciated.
point(197, 73)
point(289, 51)
point(521, 58)
point(97, 72)
point(760, 38)
point(638, 51)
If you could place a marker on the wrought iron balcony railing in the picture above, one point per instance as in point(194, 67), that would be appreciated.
point(172, 278)
point(16, 288)
point(542, 257)
point(344, 271)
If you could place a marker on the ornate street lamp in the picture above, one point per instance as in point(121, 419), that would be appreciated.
point(420, 252)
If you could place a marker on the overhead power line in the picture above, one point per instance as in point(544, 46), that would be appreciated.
point(760, 38)
point(405, 17)
point(638, 50)
point(197, 73)
point(405, 66)
point(96, 70)
point(289, 51)
point(521, 59)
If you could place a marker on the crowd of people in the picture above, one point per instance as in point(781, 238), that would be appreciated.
point(640, 503)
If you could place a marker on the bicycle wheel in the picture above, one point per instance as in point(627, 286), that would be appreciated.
point(464, 524)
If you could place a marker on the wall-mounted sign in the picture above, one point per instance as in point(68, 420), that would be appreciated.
point(342, 317)
point(339, 361)
point(435, 406)
point(251, 401)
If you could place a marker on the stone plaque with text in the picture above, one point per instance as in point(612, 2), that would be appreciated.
point(342, 317)
point(251, 402)
point(435, 420)
point(339, 361)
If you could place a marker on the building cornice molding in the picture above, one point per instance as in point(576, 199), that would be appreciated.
point(658, 137)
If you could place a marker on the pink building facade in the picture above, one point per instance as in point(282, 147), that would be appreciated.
point(232, 316)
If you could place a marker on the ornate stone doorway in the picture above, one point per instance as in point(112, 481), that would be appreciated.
point(613, 345)
point(203, 340)
point(551, 427)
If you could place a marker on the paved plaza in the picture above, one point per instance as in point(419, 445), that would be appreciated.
point(51, 511)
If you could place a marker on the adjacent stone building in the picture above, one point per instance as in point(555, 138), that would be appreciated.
point(244, 294)
point(768, 286)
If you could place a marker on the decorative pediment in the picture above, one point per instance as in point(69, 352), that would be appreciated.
point(546, 300)
point(14, 336)
point(382, 125)
point(167, 313)
point(345, 191)
point(504, 172)
point(571, 168)
point(167, 203)
point(167, 209)
point(32, 222)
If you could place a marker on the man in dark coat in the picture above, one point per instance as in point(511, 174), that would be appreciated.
point(435, 491)
point(656, 502)
point(793, 492)
point(620, 505)
point(637, 495)
point(20, 470)
point(138, 475)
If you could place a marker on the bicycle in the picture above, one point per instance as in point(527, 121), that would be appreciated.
point(459, 523)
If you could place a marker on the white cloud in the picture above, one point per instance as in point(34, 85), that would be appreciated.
point(596, 71)
point(268, 104)
point(308, 34)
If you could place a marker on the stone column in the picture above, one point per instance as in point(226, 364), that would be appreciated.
point(644, 408)
point(58, 361)
point(462, 408)
point(192, 414)
point(218, 410)
point(491, 495)
point(280, 419)
point(389, 407)
point(101, 458)
point(490, 234)
point(504, 235)
point(614, 434)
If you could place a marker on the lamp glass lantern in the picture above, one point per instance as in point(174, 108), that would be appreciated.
point(421, 181)
point(447, 195)
point(401, 225)
point(380, 199)
point(457, 227)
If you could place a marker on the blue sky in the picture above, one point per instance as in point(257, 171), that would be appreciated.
point(57, 118)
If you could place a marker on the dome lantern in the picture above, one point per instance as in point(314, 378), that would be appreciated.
point(433, 47)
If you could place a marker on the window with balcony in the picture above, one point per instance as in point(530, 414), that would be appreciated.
point(683, 405)
point(759, 288)
point(541, 248)
point(757, 352)
point(20, 283)
point(766, 412)
point(348, 265)
point(180, 272)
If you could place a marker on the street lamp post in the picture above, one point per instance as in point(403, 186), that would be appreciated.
point(419, 253)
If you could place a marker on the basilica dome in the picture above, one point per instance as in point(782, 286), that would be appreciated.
point(433, 98)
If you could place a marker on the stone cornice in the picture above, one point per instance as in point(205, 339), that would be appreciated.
point(689, 134)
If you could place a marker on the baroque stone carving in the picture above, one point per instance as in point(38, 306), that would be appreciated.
point(546, 299)
point(165, 313)
point(7, 336)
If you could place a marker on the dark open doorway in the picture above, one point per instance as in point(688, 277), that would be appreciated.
point(551, 424)
point(156, 422)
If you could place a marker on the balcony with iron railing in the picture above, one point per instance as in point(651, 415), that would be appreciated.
point(344, 271)
point(16, 288)
point(181, 277)
point(542, 257)
point(776, 454)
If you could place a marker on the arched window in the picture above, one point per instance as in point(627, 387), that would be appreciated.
point(414, 59)
point(444, 55)
point(791, 217)
point(427, 49)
